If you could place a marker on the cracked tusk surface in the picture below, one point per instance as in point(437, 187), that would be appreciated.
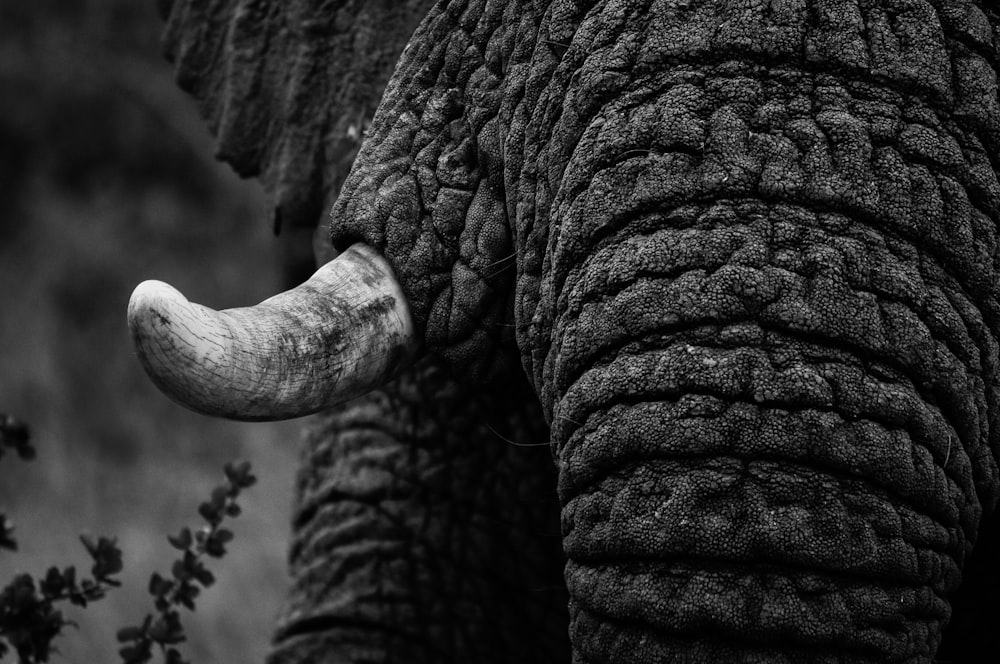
point(343, 332)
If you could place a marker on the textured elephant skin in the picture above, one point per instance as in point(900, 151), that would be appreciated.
point(427, 530)
point(745, 253)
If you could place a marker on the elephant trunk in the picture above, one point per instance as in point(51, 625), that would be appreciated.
point(764, 326)
point(758, 454)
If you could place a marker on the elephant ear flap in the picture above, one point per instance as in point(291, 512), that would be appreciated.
point(223, 52)
point(287, 86)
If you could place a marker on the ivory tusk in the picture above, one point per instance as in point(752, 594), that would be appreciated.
point(340, 334)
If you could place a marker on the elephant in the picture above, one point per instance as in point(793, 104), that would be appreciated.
point(656, 330)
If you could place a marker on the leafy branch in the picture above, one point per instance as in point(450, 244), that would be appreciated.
point(29, 619)
point(14, 435)
point(188, 574)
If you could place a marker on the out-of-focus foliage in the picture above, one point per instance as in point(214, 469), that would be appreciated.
point(106, 179)
point(84, 85)
point(30, 620)
point(188, 574)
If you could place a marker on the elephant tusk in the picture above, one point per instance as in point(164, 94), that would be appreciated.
point(343, 332)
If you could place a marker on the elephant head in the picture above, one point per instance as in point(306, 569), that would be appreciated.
point(737, 261)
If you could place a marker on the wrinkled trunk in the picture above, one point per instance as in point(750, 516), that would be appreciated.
point(735, 485)
point(765, 329)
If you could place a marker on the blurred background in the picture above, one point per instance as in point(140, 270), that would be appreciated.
point(106, 179)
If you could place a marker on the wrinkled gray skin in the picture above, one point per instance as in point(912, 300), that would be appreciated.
point(735, 261)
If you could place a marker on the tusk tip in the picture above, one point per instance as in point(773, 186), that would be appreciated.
point(173, 339)
point(153, 306)
point(340, 334)
point(159, 318)
point(154, 288)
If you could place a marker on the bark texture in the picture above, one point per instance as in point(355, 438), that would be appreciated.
point(427, 530)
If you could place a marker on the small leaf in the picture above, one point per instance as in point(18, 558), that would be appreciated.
point(130, 634)
point(182, 540)
point(167, 629)
point(7, 540)
point(107, 558)
point(158, 586)
point(140, 653)
point(174, 657)
point(15, 434)
point(53, 583)
point(209, 512)
point(239, 474)
point(159, 630)
point(204, 577)
point(89, 544)
point(219, 495)
point(180, 571)
point(187, 594)
point(215, 545)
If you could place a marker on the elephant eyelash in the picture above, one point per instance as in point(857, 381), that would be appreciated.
point(568, 419)
point(508, 263)
point(514, 443)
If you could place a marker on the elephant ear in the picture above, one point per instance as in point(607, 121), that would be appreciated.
point(287, 87)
